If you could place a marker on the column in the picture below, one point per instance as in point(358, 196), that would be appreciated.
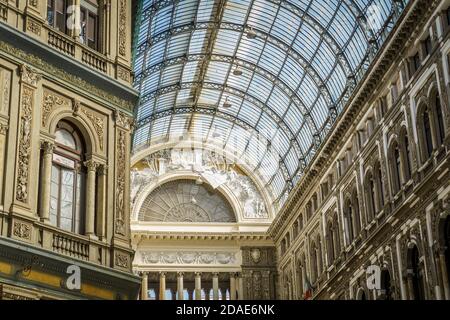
point(101, 201)
point(144, 286)
point(232, 286)
point(240, 287)
point(47, 159)
point(215, 282)
point(180, 286)
point(90, 196)
point(198, 286)
point(162, 286)
point(444, 274)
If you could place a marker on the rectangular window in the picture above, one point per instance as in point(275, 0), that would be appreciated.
point(89, 24)
point(448, 16)
point(56, 14)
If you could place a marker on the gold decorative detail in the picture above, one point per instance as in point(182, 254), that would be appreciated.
point(122, 260)
point(3, 12)
point(3, 129)
point(23, 160)
point(29, 76)
point(123, 74)
point(47, 147)
point(122, 120)
point(33, 3)
point(34, 26)
point(65, 76)
point(6, 91)
point(120, 188)
point(51, 101)
point(122, 27)
point(98, 124)
point(22, 230)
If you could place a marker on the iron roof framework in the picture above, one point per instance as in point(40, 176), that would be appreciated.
point(265, 78)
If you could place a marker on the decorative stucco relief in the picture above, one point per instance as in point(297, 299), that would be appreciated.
point(196, 258)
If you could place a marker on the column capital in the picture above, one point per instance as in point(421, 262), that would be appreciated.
point(47, 146)
point(215, 274)
point(91, 165)
point(162, 274)
point(180, 273)
point(3, 129)
point(102, 169)
point(198, 274)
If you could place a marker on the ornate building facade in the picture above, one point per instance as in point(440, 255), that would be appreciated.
point(66, 107)
point(376, 198)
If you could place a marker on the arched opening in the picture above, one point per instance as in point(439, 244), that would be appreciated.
point(348, 210)
point(440, 121)
point(396, 168)
point(314, 273)
point(356, 213)
point(379, 188)
point(330, 242)
point(406, 154)
point(370, 196)
point(427, 133)
point(415, 274)
point(68, 173)
point(336, 239)
point(386, 290)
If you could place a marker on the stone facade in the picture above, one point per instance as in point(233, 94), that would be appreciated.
point(49, 77)
point(376, 197)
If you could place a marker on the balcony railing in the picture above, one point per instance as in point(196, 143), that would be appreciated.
point(61, 42)
point(71, 246)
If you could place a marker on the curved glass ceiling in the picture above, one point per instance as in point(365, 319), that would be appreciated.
point(265, 79)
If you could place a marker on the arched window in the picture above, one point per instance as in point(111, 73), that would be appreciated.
point(379, 188)
point(330, 242)
point(295, 229)
point(313, 255)
point(396, 168)
point(370, 196)
point(336, 239)
point(427, 133)
point(386, 291)
point(416, 274)
point(356, 214)
point(440, 121)
point(67, 180)
point(406, 154)
point(319, 256)
point(348, 211)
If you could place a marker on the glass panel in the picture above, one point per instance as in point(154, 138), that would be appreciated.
point(54, 195)
point(65, 138)
point(67, 199)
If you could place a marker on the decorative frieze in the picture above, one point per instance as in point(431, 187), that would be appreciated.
point(51, 102)
point(65, 76)
point(190, 257)
point(123, 74)
point(23, 160)
point(121, 149)
point(22, 230)
point(122, 27)
point(34, 26)
point(5, 89)
point(122, 260)
point(98, 124)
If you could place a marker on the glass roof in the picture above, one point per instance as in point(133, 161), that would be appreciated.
point(263, 78)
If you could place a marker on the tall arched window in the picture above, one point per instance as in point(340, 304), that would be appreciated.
point(427, 133)
point(356, 213)
point(386, 291)
point(313, 261)
point(379, 187)
point(406, 154)
point(67, 180)
point(348, 211)
point(396, 167)
point(336, 239)
point(330, 242)
point(319, 256)
point(440, 121)
point(370, 196)
point(416, 274)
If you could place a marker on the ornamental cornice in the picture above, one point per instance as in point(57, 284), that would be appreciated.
point(63, 75)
